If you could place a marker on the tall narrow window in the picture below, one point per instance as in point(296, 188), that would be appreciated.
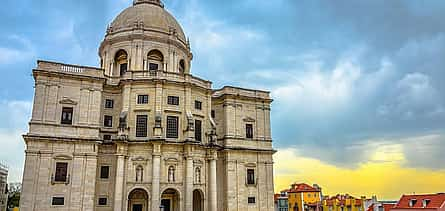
point(173, 100)
point(141, 125)
point(123, 69)
point(108, 121)
point(198, 130)
point(172, 127)
point(61, 172)
point(181, 66)
point(104, 172)
point(142, 99)
point(67, 116)
point(212, 114)
point(250, 176)
point(198, 105)
point(109, 103)
point(121, 60)
point(171, 174)
point(249, 131)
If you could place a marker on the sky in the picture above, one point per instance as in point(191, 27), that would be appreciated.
point(358, 86)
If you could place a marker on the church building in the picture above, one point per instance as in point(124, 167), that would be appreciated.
point(141, 133)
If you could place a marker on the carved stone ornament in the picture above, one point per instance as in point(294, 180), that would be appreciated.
point(248, 119)
point(68, 101)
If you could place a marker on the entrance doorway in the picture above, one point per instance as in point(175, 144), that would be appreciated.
point(198, 202)
point(138, 200)
point(170, 200)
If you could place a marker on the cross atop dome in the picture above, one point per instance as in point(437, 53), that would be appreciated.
point(155, 2)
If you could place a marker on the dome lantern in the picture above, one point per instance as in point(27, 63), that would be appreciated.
point(155, 2)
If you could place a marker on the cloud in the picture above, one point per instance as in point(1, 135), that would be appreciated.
point(15, 49)
point(384, 176)
point(15, 116)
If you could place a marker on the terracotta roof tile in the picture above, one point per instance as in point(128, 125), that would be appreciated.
point(435, 201)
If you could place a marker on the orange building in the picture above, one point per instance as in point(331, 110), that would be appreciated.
point(303, 197)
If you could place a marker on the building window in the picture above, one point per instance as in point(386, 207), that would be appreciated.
point(198, 105)
point(250, 176)
point(104, 172)
point(142, 99)
point(123, 69)
point(109, 103)
point(102, 201)
point(212, 114)
point(171, 174)
point(173, 100)
point(172, 127)
point(139, 174)
point(412, 202)
point(251, 200)
point(249, 131)
point(141, 125)
point(108, 121)
point(67, 116)
point(61, 172)
point(107, 137)
point(153, 67)
point(58, 201)
point(198, 130)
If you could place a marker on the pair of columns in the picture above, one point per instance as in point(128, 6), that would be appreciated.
point(155, 201)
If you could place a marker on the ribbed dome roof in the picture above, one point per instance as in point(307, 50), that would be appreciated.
point(149, 13)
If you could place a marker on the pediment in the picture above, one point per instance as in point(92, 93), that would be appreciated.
point(68, 101)
point(248, 119)
point(139, 158)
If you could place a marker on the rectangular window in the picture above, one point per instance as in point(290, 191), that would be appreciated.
point(108, 121)
point(250, 176)
point(198, 105)
point(152, 66)
point(173, 100)
point(104, 172)
point(58, 201)
point(172, 126)
point(67, 116)
point(251, 200)
point(107, 137)
point(141, 125)
point(142, 99)
point(102, 201)
point(249, 131)
point(123, 68)
point(61, 172)
point(213, 114)
point(198, 130)
point(109, 103)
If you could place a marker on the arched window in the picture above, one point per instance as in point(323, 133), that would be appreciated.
point(171, 174)
point(198, 175)
point(181, 66)
point(139, 174)
point(121, 61)
point(155, 60)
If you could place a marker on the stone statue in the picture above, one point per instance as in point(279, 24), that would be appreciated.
point(171, 174)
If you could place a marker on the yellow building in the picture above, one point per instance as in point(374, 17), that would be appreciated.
point(303, 197)
point(343, 203)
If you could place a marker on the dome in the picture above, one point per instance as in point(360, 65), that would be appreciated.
point(149, 14)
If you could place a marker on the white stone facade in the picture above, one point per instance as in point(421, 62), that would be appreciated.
point(126, 136)
point(3, 187)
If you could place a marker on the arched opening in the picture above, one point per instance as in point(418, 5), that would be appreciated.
point(198, 200)
point(155, 60)
point(182, 66)
point(121, 62)
point(138, 200)
point(170, 200)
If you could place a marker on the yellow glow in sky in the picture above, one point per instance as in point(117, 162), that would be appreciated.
point(383, 175)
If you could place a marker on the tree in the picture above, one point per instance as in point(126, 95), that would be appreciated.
point(14, 190)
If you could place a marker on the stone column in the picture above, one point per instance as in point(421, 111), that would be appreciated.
point(189, 184)
point(212, 183)
point(118, 192)
point(155, 195)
